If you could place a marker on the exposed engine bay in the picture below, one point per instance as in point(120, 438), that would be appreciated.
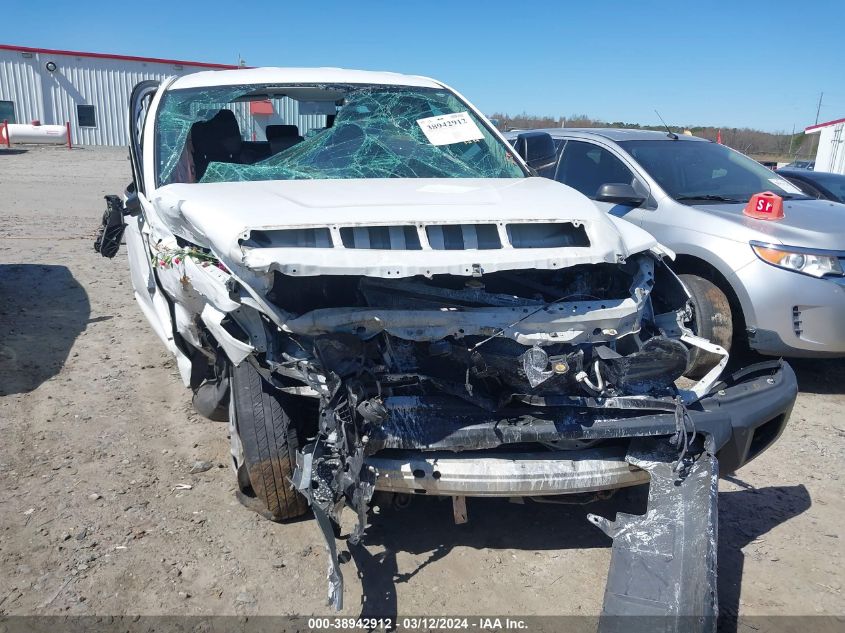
point(382, 359)
point(589, 330)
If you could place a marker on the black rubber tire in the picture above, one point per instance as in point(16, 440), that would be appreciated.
point(269, 443)
point(712, 319)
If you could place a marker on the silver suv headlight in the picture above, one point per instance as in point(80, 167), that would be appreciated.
point(801, 260)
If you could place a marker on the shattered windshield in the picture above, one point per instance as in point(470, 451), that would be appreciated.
point(239, 133)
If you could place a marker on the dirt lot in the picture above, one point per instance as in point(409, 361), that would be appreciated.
point(98, 432)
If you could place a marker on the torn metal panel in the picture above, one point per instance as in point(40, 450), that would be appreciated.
point(442, 423)
point(554, 309)
point(565, 322)
point(249, 319)
point(663, 564)
point(319, 498)
point(210, 282)
point(236, 350)
point(703, 386)
point(186, 325)
point(330, 471)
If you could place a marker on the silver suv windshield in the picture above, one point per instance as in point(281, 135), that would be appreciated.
point(263, 132)
point(696, 172)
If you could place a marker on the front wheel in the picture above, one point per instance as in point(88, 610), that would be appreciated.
point(269, 443)
point(711, 319)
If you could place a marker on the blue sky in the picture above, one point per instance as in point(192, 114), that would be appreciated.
point(732, 64)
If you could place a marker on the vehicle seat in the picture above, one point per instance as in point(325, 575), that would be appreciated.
point(216, 140)
point(282, 137)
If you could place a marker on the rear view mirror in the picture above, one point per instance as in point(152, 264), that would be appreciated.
point(537, 149)
point(619, 193)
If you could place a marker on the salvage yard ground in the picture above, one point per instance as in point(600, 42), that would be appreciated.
point(99, 439)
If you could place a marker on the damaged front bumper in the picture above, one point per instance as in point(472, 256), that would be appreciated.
point(663, 571)
point(744, 414)
point(663, 563)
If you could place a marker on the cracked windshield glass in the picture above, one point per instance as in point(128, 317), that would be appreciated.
point(324, 132)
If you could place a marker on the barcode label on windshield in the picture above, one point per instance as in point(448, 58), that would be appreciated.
point(450, 128)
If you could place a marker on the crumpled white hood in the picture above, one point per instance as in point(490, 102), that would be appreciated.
point(220, 215)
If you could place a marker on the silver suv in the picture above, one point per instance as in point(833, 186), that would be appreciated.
point(777, 284)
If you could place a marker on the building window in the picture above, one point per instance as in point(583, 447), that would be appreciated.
point(86, 116)
point(7, 111)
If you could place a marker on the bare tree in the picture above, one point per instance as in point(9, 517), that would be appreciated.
point(756, 143)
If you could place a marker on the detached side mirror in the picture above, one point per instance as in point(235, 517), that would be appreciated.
point(111, 228)
point(620, 193)
point(537, 149)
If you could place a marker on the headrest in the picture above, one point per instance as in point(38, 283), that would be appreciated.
point(224, 123)
point(274, 132)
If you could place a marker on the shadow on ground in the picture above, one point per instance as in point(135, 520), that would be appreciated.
point(5, 151)
point(426, 527)
point(42, 311)
point(815, 375)
point(745, 516)
point(819, 375)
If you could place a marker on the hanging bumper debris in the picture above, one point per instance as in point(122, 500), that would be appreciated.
point(663, 564)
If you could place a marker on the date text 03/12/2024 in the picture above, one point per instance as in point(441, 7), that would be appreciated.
point(418, 623)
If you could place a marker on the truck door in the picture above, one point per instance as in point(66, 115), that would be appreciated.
point(147, 292)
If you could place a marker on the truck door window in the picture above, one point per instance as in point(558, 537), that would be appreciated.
point(586, 167)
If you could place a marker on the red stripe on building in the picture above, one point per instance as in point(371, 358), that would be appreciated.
point(818, 125)
point(127, 58)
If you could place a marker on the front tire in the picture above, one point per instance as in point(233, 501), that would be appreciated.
point(711, 319)
point(269, 442)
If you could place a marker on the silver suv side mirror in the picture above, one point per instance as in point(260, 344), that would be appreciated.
point(619, 193)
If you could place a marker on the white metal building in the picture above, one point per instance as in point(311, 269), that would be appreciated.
point(830, 156)
point(89, 90)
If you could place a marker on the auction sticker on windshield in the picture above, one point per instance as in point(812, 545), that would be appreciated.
point(450, 128)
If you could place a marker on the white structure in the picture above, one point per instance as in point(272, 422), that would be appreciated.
point(830, 155)
point(89, 90)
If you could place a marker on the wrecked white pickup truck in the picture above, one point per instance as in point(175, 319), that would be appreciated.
point(379, 296)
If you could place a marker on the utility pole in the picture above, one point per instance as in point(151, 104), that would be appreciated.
point(819, 108)
point(792, 136)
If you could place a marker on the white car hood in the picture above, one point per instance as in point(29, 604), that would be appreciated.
point(222, 215)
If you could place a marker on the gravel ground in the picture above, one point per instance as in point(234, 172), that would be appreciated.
point(98, 434)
